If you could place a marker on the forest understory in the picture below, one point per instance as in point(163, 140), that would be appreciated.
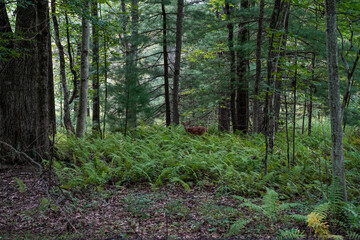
point(134, 212)
point(161, 183)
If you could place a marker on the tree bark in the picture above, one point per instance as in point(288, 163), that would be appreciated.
point(96, 76)
point(242, 92)
point(271, 68)
point(67, 119)
point(230, 27)
point(26, 109)
point(71, 63)
point(166, 67)
point(334, 97)
point(256, 108)
point(179, 32)
point(224, 116)
point(84, 74)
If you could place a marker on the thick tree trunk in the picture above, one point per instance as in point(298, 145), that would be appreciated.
point(26, 110)
point(179, 32)
point(334, 97)
point(84, 74)
point(256, 109)
point(224, 116)
point(166, 67)
point(67, 119)
point(96, 75)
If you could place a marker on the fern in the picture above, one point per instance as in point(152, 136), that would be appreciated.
point(21, 185)
point(353, 236)
point(237, 227)
point(290, 234)
point(318, 225)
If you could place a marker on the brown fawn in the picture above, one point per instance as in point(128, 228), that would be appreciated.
point(200, 130)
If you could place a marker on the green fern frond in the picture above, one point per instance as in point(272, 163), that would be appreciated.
point(290, 234)
point(236, 228)
point(297, 218)
point(353, 236)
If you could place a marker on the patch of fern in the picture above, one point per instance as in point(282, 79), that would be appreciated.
point(158, 155)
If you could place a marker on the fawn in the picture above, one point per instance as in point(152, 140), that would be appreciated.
point(200, 130)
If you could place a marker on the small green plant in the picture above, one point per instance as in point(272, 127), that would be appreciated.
point(237, 227)
point(290, 234)
point(177, 208)
point(21, 185)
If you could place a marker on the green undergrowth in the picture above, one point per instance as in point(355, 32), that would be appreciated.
point(157, 156)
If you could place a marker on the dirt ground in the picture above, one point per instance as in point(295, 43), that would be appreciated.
point(31, 209)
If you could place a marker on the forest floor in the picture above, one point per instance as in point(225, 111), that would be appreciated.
point(29, 210)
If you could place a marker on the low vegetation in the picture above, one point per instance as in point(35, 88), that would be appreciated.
point(293, 201)
point(166, 184)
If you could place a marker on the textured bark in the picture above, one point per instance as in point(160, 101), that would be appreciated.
point(179, 32)
point(67, 119)
point(96, 76)
point(166, 67)
point(242, 92)
point(84, 74)
point(71, 63)
point(271, 68)
point(256, 108)
point(26, 111)
point(334, 97)
point(224, 116)
point(230, 27)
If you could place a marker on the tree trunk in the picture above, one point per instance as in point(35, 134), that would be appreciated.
point(166, 67)
point(271, 68)
point(71, 63)
point(224, 116)
point(26, 109)
point(294, 85)
point(310, 111)
point(230, 27)
point(96, 76)
point(84, 74)
point(179, 32)
point(242, 95)
point(334, 97)
point(256, 109)
point(67, 119)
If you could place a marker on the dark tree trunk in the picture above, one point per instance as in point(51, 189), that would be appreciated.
point(26, 111)
point(166, 67)
point(256, 109)
point(96, 75)
point(224, 116)
point(242, 100)
point(67, 119)
point(280, 56)
point(71, 63)
point(230, 27)
point(271, 68)
point(179, 32)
